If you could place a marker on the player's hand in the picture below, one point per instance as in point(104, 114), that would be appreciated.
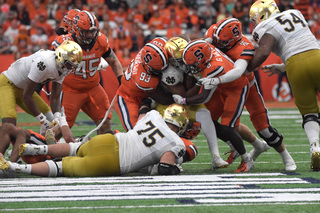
point(274, 69)
point(209, 83)
point(62, 118)
point(56, 117)
point(179, 99)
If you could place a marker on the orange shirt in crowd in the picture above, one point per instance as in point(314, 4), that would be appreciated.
point(157, 22)
point(121, 43)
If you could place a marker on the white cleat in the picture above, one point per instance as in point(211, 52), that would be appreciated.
point(50, 137)
point(28, 149)
point(218, 163)
point(254, 153)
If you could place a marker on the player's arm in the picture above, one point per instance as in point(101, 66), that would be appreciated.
point(238, 69)
point(115, 64)
point(144, 107)
point(160, 96)
point(200, 98)
point(64, 127)
point(28, 99)
point(167, 164)
point(55, 97)
point(262, 52)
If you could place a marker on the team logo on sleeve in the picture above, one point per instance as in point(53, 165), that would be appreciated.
point(41, 66)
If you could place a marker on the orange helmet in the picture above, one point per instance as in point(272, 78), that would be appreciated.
point(159, 41)
point(196, 55)
point(192, 131)
point(227, 33)
point(67, 22)
point(85, 27)
point(154, 58)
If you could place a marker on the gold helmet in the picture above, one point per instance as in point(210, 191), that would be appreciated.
point(177, 115)
point(174, 47)
point(261, 10)
point(68, 57)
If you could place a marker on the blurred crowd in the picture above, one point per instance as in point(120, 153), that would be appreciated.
point(28, 25)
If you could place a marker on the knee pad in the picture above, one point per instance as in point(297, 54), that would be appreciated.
point(271, 136)
point(55, 168)
point(74, 148)
point(310, 117)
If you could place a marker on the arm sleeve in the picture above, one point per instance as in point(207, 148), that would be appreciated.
point(238, 69)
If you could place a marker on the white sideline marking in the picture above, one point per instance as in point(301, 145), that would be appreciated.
point(264, 197)
point(200, 187)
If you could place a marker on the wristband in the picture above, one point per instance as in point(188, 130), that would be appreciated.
point(184, 101)
point(41, 118)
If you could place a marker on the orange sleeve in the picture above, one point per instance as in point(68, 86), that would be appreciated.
point(191, 150)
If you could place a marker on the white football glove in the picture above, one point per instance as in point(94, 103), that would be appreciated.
point(63, 118)
point(178, 99)
point(274, 69)
point(209, 83)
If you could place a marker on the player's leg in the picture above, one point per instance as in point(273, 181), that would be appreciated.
point(8, 133)
point(8, 94)
point(97, 107)
point(128, 111)
point(301, 70)
point(97, 157)
point(203, 116)
point(55, 150)
point(230, 118)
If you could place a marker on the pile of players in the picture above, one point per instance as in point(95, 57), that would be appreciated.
point(207, 80)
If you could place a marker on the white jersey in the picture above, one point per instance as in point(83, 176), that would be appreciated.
point(145, 144)
point(172, 76)
point(291, 33)
point(40, 67)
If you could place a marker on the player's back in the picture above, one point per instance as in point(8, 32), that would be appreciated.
point(243, 49)
point(291, 33)
point(136, 81)
point(86, 76)
point(147, 142)
point(39, 67)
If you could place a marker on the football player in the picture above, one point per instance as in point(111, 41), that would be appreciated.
point(17, 136)
point(226, 100)
point(227, 36)
point(81, 89)
point(18, 83)
point(153, 140)
point(174, 78)
point(141, 80)
point(287, 35)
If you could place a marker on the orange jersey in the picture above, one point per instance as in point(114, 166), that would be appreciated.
point(136, 81)
point(243, 49)
point(219, 65)
point(85, 76)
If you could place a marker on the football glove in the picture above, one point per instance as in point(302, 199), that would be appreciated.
point(274, 69)
point(209, 83)
point(179, 99)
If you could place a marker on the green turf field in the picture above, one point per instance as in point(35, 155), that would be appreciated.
point(199, 188)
